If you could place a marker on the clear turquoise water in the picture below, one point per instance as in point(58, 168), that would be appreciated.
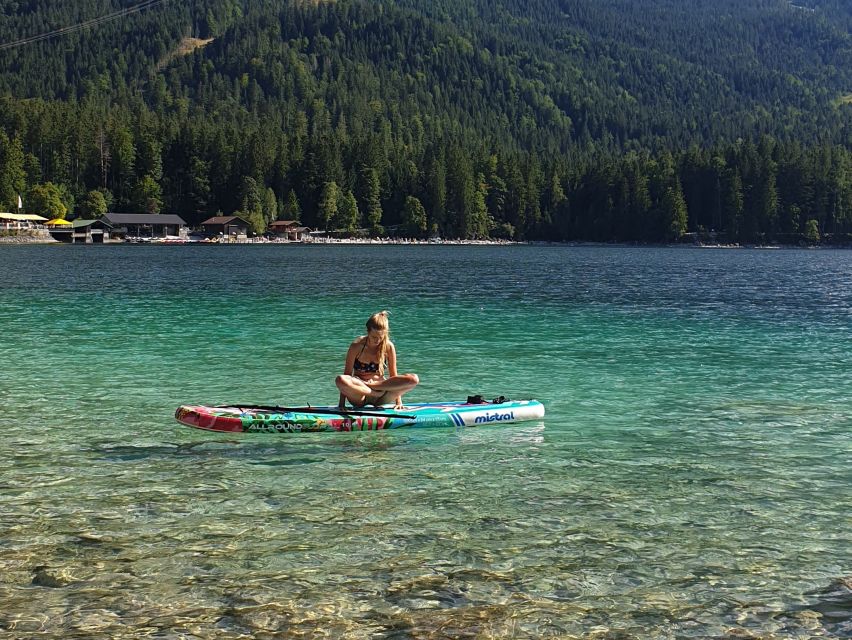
point(691, 479)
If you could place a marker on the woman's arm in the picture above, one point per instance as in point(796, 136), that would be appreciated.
point(397, 401)
point(348, 369)
point(391, 355)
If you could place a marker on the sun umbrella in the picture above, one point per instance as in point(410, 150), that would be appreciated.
point(57, 222)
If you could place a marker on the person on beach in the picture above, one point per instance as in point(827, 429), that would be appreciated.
point(363, 381)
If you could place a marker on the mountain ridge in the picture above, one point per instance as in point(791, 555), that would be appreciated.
point(648, 74)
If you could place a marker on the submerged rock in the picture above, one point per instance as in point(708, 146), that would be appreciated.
point(53, 578)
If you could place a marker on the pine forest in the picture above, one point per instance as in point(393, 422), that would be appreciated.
point(563, 120)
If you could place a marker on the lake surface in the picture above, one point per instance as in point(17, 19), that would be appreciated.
point(691, 478)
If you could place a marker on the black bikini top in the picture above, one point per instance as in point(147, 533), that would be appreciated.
point(365, 367)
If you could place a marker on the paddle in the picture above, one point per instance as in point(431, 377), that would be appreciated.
point(322, 411)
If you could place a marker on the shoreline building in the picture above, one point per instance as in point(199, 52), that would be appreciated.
point(20, 221)
point(130, 226)
point(227, 226)
point(289, 230)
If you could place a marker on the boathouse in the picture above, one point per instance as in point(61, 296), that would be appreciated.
point(90, 231)
point(81, 231)
point(145, 225)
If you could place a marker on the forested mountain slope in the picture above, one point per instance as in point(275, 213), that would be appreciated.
point(465, 118)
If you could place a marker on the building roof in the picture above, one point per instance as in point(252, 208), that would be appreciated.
point(155, 219)
point(284, 223)
point(31, 217)
point(78, 223)
point(224, 220)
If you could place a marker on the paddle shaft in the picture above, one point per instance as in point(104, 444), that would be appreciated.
point(322, 410)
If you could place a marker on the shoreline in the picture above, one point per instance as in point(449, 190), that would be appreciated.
point(48, 240)
point(20, 239)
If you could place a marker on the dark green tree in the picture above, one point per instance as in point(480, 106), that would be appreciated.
point(675, 212)
point(328, 205)
point(93, 205)
point(46, 200)
point(12, 175)
point(414, 218)
point(348, 217)
point(291, 209)
point(147, 195)
point(372, 191)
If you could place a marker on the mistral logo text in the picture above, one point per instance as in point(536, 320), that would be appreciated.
point(495, 417)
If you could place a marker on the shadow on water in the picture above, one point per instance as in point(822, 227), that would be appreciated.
point(260, 447)
point(126, 453)
point(275, 450)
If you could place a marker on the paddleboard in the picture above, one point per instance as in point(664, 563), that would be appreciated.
point(258, 419)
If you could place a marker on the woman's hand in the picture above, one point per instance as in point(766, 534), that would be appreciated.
point(397, 403)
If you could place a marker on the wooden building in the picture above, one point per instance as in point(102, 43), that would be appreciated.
point(288, 230)
point(90, 231)
point(82, 232)
point(142, 226)
point(226, 225)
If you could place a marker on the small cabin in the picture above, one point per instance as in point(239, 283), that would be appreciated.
point(226, 226)
point(288, 230)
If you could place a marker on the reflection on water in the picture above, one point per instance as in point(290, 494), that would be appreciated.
point(691, 478)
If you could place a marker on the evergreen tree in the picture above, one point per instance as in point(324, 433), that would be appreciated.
point(556, 198)
point(199, 191)
point(269, 205)
point(251, 205)
point(327, 211)
point(460, 194)
point(481, 223)
point(437, 196)
point(414, 217)
point(675, 212)
point(372, 191)
point(639, 199)
point(733, 204)
point(122, 153)
point(348, 217)
point(535, 188)
point(147, 196)
point(497, 191)
point(12, 175)
point(291, 209)
point(516, 201)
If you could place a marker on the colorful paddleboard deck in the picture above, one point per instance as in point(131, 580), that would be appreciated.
point(256, 419)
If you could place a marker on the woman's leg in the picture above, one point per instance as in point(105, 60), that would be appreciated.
point(393, 388)
point(355, 390)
